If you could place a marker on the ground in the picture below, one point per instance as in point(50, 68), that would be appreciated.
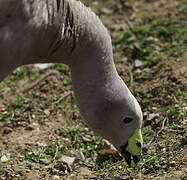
point(40, 123)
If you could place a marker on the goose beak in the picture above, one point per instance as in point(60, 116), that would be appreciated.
point(129, 158)
point(131, 151)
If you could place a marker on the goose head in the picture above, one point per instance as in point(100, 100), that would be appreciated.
point(116, 116)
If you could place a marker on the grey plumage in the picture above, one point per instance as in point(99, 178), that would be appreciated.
point(65, 31)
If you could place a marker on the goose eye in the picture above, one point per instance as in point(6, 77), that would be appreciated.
point(127, 120)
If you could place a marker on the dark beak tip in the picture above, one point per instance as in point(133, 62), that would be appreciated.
point(128, 156)
point(131, 158)
point(136, 159)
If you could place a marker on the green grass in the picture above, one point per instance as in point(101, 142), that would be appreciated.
point(62, 68)
point(20, 73)
point(153, 41)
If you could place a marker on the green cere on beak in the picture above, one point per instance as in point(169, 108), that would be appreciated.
point(135, 143)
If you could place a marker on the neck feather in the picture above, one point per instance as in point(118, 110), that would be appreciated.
point(89, 53)
point(92, 80)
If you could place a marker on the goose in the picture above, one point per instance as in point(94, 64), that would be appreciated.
point(66, 31)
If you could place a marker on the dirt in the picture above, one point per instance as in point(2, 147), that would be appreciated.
point(34, 121)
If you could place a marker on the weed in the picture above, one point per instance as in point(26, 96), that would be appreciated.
point(62, 68)
point(20, 73)
point(150, 42)
point(35, 157)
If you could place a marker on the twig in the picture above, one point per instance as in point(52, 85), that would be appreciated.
point(157, 134)
point(131, 76)
point(56, 152)
point(41, 78)
point(54, 158)
point(62, 98)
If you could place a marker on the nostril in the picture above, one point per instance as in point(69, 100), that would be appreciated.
point(139, 144)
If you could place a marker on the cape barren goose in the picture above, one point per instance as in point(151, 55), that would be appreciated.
point(65, 31)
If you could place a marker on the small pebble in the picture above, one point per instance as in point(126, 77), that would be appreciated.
point(79, 155)
point(47, 112)
point(138, 63)
point(68, 160)
point(152, 116)
point(56, 177)
point(4, 159)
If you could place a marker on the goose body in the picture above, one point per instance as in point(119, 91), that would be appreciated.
point(65, 31)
